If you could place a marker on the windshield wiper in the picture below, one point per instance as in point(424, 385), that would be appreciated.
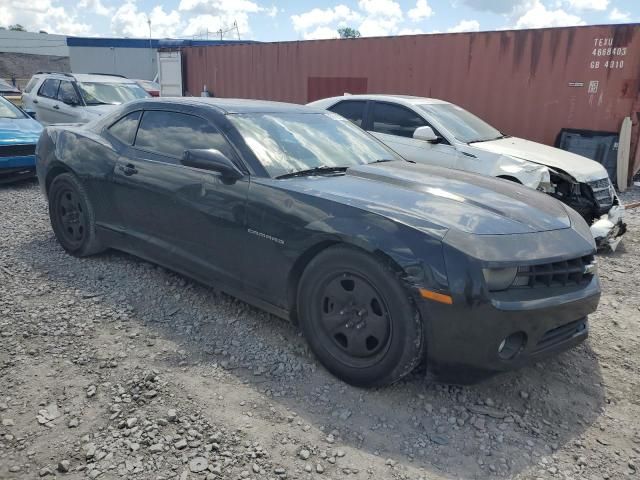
point(382, 160)
point(313, 171)
point(489, 139)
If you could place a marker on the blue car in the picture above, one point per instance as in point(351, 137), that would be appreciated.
point(18, 137)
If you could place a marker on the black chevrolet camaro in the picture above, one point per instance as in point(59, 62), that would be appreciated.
point(381, 262)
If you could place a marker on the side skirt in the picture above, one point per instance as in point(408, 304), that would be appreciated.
point(137, 248)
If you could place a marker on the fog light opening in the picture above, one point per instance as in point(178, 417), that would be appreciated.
point(512, 345)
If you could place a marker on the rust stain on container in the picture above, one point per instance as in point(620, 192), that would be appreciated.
point(530, 83)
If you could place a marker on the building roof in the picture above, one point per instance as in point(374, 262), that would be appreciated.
point(145, 42)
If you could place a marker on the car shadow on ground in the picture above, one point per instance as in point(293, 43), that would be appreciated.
point(502, 426)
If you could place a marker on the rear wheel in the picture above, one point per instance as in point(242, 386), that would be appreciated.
point(72, 217)
point(358, 318)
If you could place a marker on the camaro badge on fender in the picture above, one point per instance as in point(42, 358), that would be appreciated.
point(264, 235)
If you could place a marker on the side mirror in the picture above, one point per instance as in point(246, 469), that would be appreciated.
point(426, 133)
point(31, 113)
point(213, 160)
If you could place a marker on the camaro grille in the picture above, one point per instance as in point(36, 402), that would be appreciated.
point(578, 271)
point(17, 150)
point(603, 192)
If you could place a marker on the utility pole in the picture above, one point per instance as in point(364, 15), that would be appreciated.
point(150, 45)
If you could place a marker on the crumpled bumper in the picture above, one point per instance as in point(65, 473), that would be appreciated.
point(609, 228)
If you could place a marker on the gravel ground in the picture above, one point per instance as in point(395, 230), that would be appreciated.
point(111, 367)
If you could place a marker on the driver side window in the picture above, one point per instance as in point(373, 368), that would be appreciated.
point(67, 93)
point(395, 120)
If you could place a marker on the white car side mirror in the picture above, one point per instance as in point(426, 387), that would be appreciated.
point(425, 133)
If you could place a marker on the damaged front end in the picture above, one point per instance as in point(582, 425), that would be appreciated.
point(596, 201)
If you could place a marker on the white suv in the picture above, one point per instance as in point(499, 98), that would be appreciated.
point(76, 98)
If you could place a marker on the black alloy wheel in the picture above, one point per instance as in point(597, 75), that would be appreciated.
point(355, 319)
point(358, 319)
point(72, 216)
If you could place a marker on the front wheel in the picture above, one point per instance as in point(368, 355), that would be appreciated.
point(358, 318)
point(72, 217)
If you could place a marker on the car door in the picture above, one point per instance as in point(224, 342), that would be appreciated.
point(186, 218)
point(394, 125)
point(45, 101)
point(66, 110)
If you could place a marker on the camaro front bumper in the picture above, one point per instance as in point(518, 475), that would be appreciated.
point(471, 335)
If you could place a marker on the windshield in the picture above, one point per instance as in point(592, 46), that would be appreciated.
point(291, 142)
point(8, 110)
point(463, 125)
point(95, 93)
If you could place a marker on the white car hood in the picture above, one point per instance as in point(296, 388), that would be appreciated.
point(100, 110)
point(581, 168)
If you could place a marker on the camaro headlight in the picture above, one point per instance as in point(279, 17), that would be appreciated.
point(499, 278)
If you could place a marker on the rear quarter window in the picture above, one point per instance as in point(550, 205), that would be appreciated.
point(125, 128)
point(351, 110)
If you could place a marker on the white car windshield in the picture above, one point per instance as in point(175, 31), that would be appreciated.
point(463, 125)
point(286, 143)
point(99, 93)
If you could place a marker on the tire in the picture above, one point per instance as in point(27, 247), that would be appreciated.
point(358, 318)
point(72, 217)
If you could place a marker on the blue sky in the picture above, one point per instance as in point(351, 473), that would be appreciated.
point(274, 20)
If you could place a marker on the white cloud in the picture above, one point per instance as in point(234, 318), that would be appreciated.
point(128, 21)
point(465, 26)
point(320, 17)
point(45, 15)
point(96, 6)
point(215, 15)
point(411, 31)
point(382, 17)
point(273, 11)
point(588, 4)
point(321, 33)
point(619, 16)
point(421, 11)
point(538, 16)
point(372, 18)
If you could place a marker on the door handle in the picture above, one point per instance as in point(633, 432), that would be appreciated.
point(56, 107)
point(35, 101)
point(128, 169)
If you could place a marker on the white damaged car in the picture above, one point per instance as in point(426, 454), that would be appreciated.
point(436, 132)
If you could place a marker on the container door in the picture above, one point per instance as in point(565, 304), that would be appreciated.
point(170, 74)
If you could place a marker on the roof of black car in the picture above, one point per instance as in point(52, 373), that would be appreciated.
point(235, 105)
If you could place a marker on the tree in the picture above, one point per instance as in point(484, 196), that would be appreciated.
point(17, 28)
point(348, 32)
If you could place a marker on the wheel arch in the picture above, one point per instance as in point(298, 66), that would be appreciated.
point(55, 169)
point(510, 178)
point(300, 265)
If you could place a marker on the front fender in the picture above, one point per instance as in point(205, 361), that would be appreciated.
point(527, 173)
point(417, 257)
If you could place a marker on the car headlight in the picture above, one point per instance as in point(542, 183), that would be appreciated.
point(499, 278)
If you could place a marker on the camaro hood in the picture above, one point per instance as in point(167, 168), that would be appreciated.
point(433, 198)
point(19, 131)
point(580, 168)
